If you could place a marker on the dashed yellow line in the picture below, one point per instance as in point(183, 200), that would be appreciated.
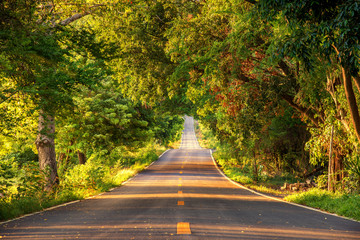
point(183, 228)
point(180, 192)
point(181, 172)
point(181, 203)
point(180, 179)
point(179, 185)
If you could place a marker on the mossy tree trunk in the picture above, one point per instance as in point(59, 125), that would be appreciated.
point(45, 144)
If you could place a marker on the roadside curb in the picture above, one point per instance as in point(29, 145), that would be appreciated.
point(274, 198)
point(76, 201)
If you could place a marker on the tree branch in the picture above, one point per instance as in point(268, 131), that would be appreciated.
point(79, 15)
point(285, 68)
point(251, 1)
point(73, 18)
point(301, 109)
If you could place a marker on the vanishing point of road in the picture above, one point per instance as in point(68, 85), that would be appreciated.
point(181, 196)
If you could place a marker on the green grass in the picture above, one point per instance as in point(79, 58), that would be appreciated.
point(246, 179)
point(343, 204)
point(78, 183)
point(347, 205)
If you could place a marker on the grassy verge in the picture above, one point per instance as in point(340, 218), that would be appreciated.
point(269, 185)
point(240, 174)
point(347, 205)
point(343, 204)
point(79, 182)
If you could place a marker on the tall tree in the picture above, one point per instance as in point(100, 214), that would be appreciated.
point(35, 59)
point(332, 27)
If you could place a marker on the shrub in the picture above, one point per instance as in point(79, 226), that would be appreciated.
point(86, 176)
point(340, 203)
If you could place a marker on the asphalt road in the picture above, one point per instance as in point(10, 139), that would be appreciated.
point(181, 196)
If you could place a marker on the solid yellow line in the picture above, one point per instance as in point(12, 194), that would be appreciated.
point(183, 228)
point(181, 203)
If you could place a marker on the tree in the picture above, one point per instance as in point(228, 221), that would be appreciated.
point(38, 64)
point(332, 26)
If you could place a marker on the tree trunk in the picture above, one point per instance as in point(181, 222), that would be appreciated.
point(82, 157)
point(45, 145)
point(339, 169)
point(357, 82)
point(331, 168)
point(255, 169)
point(351, 99)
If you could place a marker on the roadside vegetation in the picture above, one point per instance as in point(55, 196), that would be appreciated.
point(23, 192)
point(342, 203)
point(276, 83)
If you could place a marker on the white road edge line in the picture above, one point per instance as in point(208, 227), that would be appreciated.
point(68, 203)
point(273, 198)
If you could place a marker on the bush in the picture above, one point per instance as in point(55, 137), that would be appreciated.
point(86, 177)
point(22, 185)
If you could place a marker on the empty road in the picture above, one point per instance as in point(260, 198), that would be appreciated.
point(181, 196)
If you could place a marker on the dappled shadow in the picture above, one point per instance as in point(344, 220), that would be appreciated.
point(149, 212)
point(147, 208)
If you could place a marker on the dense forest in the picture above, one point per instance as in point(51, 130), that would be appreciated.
point(89, 86)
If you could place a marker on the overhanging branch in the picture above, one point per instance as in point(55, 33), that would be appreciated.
point(251, 1)
point(307, 112)
point(77, 16)
point(73, 18)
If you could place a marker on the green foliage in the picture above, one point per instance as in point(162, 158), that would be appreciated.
point(8, 175)
point(353, 168)
point(340, 203)
point(107, 120)
point(84, 176)
point(22, 187)
point(18, 172)
point(238, 167)
point(330, 26)
point(264, 79)
point(168, 128)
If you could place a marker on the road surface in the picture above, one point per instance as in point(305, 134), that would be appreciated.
point(181, 196)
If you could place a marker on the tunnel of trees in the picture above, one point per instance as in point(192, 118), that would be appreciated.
point(84, 80)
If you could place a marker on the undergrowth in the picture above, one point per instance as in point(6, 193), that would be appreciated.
point(24, 193)
point(344, 204)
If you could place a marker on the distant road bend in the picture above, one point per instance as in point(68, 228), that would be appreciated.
point(181, 196)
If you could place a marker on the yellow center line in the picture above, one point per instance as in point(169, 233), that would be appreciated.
point(182, 166)
point(181, 203)
point(180, 179)
point(179, 185)
point(181, 172)
point(180, 192)
point(183, 228)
